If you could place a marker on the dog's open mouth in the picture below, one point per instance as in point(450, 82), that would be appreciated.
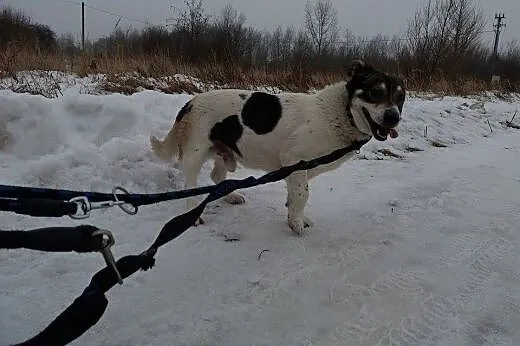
point(380, 132)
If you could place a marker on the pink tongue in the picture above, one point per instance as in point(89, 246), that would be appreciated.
point(393, 133)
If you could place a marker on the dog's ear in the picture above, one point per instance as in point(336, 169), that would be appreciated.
point(355, 67)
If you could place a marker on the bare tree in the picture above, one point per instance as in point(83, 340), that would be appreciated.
point(65, 43)
point(396, 47)
point(276, 45)
point(191, 25)
point(443, 32)
point(466, 25)
point(444, 13)
point(512, 50)
point(321, 21)
point(261, 47)
point(350, 47)
point(288, 39)
point(421, 33)
point(510, 63)
point(16, 27)
point(282, 43)
point(229, 33)
point(301, 54)
point(376, 50)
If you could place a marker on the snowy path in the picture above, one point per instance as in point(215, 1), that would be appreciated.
point(423, 251)
point(442, 268)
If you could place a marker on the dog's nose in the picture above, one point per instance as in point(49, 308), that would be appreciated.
point(391, 117)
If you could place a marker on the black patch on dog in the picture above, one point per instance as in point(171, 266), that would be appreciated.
point(227, 132)
point(184, 110)
point(243, 96)
point(261, 112)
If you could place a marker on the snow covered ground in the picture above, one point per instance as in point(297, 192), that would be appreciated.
point(420, 249)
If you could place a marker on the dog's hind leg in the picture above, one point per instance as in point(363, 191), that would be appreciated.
point(191, 165)
point(219, 174)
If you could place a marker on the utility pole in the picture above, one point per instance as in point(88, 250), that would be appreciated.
point(83, 25)
point(498, 26)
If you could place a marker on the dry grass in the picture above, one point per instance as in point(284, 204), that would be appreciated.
point(443, 85)
point(18, 58)
point(129, 84)
point(128, 74)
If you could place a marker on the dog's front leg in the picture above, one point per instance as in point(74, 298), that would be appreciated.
point(297, 196)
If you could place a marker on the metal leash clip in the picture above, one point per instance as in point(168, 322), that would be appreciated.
point(85, 206)
point(122, 204)
point(107, 240)
point(83, 210)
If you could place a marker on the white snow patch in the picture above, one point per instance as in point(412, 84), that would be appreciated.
point(421, 250)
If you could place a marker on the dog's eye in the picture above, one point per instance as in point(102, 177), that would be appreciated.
point(377, 93)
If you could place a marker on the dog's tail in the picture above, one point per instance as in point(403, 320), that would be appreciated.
point(167, 148)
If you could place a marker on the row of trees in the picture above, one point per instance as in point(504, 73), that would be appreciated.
point(17, 28)
point(444, 39)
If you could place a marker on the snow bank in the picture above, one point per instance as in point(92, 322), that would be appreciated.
point(109, 133)
point(85, 141)
point(57, 83)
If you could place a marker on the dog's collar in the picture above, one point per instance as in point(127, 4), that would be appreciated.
point(350, 117)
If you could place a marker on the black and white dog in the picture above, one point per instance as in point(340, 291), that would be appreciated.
point(265, 131)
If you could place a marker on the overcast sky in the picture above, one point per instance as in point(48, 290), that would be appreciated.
point(363, 17)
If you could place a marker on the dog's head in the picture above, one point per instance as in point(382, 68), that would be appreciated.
point(375, 99)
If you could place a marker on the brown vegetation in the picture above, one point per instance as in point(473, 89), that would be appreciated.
point(443, 51)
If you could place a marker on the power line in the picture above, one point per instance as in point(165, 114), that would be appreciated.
point(115, 14)
point(107, 12)
point(375, 39)
point(70, 2)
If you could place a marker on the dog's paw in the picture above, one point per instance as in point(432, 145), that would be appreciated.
point(307, 222)
point(297, 225)
point(235, 198)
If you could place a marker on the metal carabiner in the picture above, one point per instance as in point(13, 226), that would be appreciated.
point(84, 208)
point(121, 204)
point(107, 240)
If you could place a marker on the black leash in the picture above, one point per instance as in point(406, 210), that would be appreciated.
point(39, 207)
point(42, 202)
point(136, 199)
point(54, 239)
point(88, 308)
